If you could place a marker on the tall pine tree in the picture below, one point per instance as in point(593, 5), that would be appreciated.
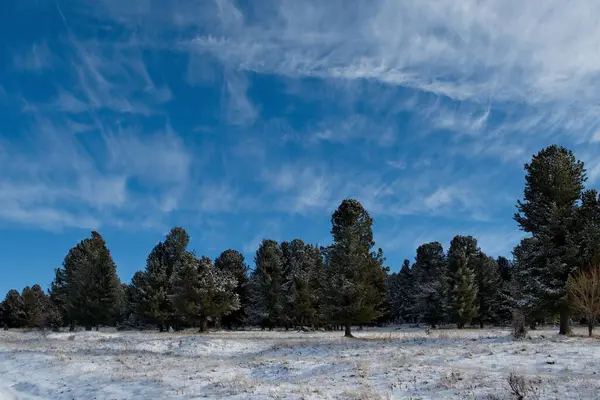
point(153, 288)
point(554, 183)
point(356, 292)
point(233, 261)
point(463, 289)
point(431, 295)
point(88, 284)
point(266, 290)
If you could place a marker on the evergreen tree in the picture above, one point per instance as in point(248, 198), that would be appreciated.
point(430, 270)
point(266, 291)
point(300, 262)
point(504, 302)
point(59, 294)
point(463, 290)
point(489, 286)
point(553, 184)
point(356, 288)
point(39, 311)
point(153, 287)
point(589, 226)
point(403, 299)
point(233, 261)
point(201, 291)
point(89, 284)
point(13, 307)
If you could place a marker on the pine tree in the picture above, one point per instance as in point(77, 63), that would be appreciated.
point(13, 307)
point(299, 266)
point(403, 294)
point(588, 216)
point(153, 288)
point(356, 288)
point(489, 286)
point(233, 261)
point(553, 184)
point(201, 291)
point(89, 284)
point(39, 310)
point(463, 290)
point(59, 294)
point(430, 270)
point(266, 290)
point(505, 302)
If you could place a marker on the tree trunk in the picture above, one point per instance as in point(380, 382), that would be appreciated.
point(564, 323)
point(72, 326)
point(203, 324)
point(590, 325)
point(348, 331)
point(97, 327)
point(481, 323)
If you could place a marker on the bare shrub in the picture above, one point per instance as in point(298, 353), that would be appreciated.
point(584, 295)
point(521, 388)
point(518, 386)
point(519, 329)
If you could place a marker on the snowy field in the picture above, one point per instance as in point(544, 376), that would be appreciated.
point(378, 364)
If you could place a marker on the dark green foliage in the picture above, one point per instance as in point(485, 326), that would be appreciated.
point(356, 290)
point(402, 292)
point(40, 312)
point(462, 286)
point(153, 286)
point(505, 301)
point(300, 264)
point(266, 286)
point(589, 229)
point(59, 294)
point(554, 183)
point(233, 262)
point(431, 295)
point(201, 291)
point(464, 292)
point(489, 283)
point(88, 286)
point(14, 310)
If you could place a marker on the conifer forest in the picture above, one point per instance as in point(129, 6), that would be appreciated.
point(453, 322)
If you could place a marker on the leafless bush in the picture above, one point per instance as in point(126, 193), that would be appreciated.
point(519, 329)
point(522, 388)
point(584, 295)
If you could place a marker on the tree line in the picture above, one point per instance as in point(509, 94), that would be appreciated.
point(299, 285)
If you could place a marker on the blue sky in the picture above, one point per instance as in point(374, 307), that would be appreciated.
point(247, 120)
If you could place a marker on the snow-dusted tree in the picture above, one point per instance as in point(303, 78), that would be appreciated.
point(356, 292)
point(489, 284)
point(589, 229)
point(401, 289)
point(462, 288)
point(233, 261)
point(584, 295)
point(153, 288)
point(464, 291)
point(431, 295)
point(13, 308)
point(505, 301)
point(39, 310)
point(300, 263)
point(265, 286)
point(91, 287)
point(554, 183)
point(201, 291)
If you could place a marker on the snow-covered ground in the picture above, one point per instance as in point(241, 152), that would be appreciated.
point(379, 363)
